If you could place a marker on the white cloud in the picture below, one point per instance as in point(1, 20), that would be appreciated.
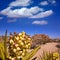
point(5, 11)
point(20, 3)
point(22, 12)
point(42, 22)
point(14, 20)
point(44, 3)
point(52, 1)
point(43, 14)
point(1, 18)
point(36, 9)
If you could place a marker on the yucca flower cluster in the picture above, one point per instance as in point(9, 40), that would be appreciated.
point(56, 56)
point(19, 44)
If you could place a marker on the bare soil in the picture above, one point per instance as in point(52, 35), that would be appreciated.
point(48, 47)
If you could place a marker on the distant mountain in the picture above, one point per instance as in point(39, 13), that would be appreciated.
point(42, 39)
point(40, 36)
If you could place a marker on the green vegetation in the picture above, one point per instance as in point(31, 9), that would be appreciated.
point(31, 54)
point(50, 56)
point(18, 48)
point(3, 49)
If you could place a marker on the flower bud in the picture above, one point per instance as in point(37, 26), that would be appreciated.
point(16, 45)
point(13, 59)
point(26, 46)
point(11, 41)
point(10, 57)
point(17, 38)
point(18, 57)
point(22, 43)
point(19, 34)
point(23, 54)
point(14, 50)
point(18, 48)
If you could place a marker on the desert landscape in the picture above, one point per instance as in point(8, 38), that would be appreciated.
point(25, 47)
point(48, 47)
point(29, 29)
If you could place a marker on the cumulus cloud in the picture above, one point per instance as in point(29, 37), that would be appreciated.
point(44, 3)
point(22, 12)
point(42, 22)
point(9, 21)
point(20, 3)
point(43, 14)
point(33, 12)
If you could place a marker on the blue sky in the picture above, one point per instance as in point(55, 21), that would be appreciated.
point(31, 16)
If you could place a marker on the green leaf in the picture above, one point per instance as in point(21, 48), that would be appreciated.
point(2, 51)
point(31, 54)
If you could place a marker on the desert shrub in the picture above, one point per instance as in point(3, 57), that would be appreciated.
point(59, 41)
point(58, 46)
point(40, 39)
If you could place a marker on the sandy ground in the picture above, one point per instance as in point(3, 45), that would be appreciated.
point(49, 47)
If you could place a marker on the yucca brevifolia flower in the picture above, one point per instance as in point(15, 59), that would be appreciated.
point(56, 56)
point(19, 44)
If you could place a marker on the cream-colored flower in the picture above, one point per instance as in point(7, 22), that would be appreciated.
point(18, 48)
point(14, 50)
point(20, 51)
point(27, 50)
point(56, 54)
point(17, 38)
point(18, 57)
point(29, 44)
point(11, 41)
point(19, 34)
point(25, 42)
point(29, 39)
point(58, 59)
point(16, 45)
point(24, 50)
point(26, 46)
point(22, 43)
point(19, 41)
point(23, 33)
point(13, 59)
point(21, 38)
point(23, 54)
point(10, 57)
